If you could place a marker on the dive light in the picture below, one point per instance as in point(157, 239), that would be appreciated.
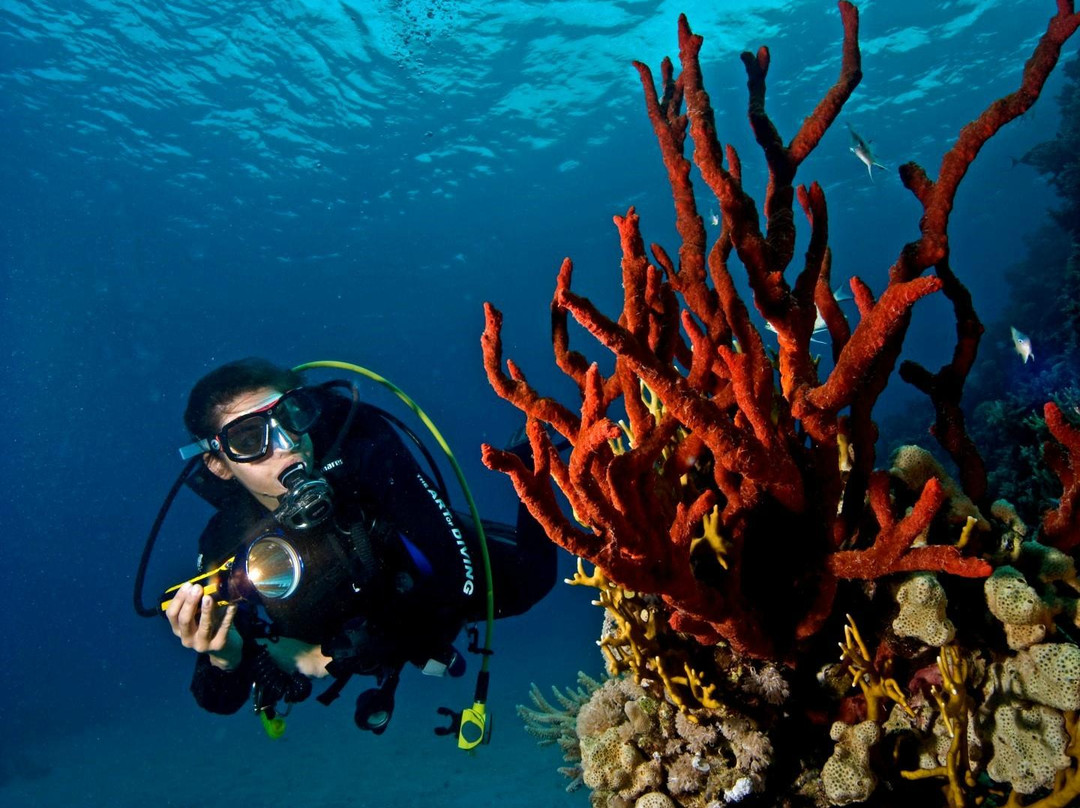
point(270, 569)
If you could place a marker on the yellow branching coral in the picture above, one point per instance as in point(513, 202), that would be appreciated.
point(631, 643)
point(639, 641)
point(954, 704)
point(711, 537)
point(864, 673)
point(965, 532)
point(655, 408)
point(701, 694)
point(845, 450)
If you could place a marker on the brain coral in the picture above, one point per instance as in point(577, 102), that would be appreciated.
point(1029, 746)
point(922, 611)
point(614, 762)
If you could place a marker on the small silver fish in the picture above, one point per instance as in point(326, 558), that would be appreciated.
point(1022, 344)
point(861, 149)
point(840, 295)
point(714, 218)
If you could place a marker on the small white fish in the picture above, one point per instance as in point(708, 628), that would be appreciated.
point(1022, 344)
point(861, 149)
point(714, 218)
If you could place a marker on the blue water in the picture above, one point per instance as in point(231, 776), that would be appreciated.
point(186, 183)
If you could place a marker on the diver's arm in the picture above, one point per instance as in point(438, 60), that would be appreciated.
point(218, 691)
point(280, 668)
point(225, 689)
point(296, 656)
point(225, 692)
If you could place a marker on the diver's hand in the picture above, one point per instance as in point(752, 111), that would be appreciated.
point(204, 627)
point(293, 655)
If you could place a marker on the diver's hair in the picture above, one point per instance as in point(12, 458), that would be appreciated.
point(221, 386)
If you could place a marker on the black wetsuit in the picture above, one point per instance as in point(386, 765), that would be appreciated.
point(394, 584)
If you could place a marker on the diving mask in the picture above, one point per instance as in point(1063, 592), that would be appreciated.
point(253, 435)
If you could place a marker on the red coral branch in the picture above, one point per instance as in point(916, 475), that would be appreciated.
point(893, 550)
point(514, 388)
point(1061, 526)
point(882, 322)
point(937, 196)
point(945, 388)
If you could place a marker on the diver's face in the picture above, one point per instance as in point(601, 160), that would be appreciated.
point(260, 477)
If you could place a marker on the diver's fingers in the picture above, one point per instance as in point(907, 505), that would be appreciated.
point(222, 634)
point(186, 617)
point(172, 611)
point(206, 616)
point(199, 632)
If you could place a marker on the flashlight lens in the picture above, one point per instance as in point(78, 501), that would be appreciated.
point(273, 567)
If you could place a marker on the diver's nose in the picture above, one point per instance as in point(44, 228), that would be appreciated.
point(280, 438)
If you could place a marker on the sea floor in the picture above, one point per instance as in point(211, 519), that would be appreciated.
point(145, 743)
point(189, 758)
point(92, 731)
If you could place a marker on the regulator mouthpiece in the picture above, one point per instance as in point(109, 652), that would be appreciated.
point(307, 500)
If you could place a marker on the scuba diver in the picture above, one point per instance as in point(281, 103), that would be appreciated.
point(331, 552)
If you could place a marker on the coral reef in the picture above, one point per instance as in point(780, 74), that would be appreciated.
point(730, 500)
